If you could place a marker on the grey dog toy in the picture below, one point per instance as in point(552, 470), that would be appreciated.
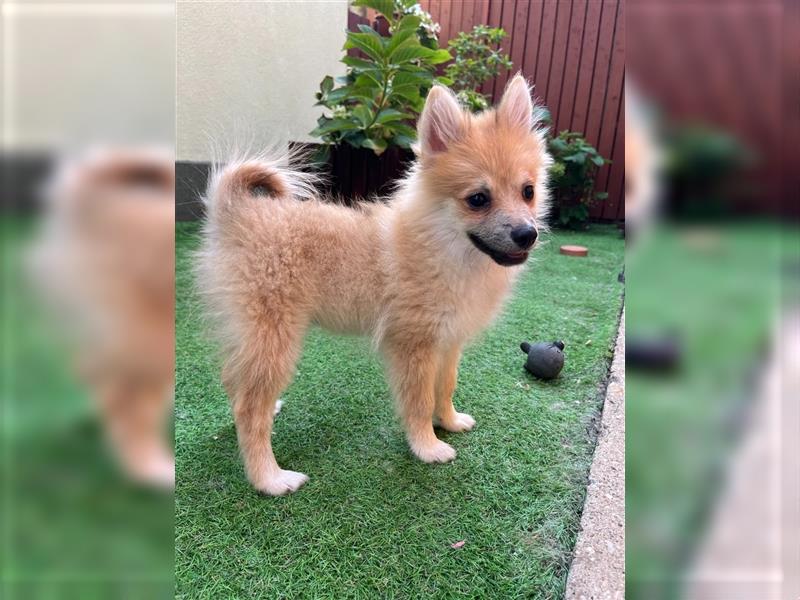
point(545, 359)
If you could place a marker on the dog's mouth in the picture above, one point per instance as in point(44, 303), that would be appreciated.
point(505, 259)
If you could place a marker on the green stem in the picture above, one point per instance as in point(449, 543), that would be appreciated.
point(383, 101)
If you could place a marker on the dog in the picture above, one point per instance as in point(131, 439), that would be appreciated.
point(422, 274)
point(103, 264)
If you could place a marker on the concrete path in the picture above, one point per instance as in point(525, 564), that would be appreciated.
point(598, 568)
point(750, 550)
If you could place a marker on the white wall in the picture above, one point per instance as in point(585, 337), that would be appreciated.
point(247, 72)
point(80, 73)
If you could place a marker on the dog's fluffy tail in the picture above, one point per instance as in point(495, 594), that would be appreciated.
point(249, 184)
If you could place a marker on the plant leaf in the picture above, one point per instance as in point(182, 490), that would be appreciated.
point(326, 85)
point(401, 38)
point(363, 115)
point(409, 92)
point(338, 95)
point(408, 52)
point(333, 125)
point(377, 145)
point(439, 56)
point(368, 43)
point(358, 63)
point(385, 7)
point(578, 158)
point(411, 22)
point(388, 115)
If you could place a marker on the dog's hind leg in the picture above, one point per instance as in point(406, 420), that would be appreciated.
point(445, 415)
point(254, 384)
point(135, 412)
point(412, 375)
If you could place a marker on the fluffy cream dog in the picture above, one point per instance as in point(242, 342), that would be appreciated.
point(422, 274)
point(103, 262)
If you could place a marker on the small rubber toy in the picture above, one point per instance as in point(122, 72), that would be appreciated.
point(545, 359)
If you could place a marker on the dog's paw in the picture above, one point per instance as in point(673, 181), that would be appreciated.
point(437, 452)
point(457, 423)
point(277, 409)
point(157, 471)
point(282, 483)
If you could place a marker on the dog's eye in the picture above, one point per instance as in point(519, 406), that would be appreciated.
point(479, 200)
point(527, 192)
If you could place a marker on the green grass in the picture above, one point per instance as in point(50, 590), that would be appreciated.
point(72, 526)
point(721, 298)
point(374, 522)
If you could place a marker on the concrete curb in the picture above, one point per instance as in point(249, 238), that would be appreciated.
point(598, 567)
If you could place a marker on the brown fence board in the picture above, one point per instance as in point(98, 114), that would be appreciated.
point(612, 105)
point(507, 23)
point(583, 93)
point(545, 34)
point(555, 80)
point(569, 82)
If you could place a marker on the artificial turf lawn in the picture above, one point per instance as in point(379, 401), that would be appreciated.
point(718, 290)
point(73, 527)
point(373, 521)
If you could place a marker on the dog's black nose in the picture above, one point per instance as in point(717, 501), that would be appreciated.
point(524, 236)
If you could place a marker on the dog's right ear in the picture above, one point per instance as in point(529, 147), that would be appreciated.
point(442, 122)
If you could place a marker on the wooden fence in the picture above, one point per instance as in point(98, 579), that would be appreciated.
point(574, 53)
point(733, 66)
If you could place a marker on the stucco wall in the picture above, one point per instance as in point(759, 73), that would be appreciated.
point(247, 72)
point(87, 73)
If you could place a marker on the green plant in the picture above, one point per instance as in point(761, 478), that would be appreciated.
point(478, 58)
point(572, 177)
point(705, 170)
point(385, 88)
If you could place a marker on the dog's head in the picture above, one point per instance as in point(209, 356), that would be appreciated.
point(490, 169)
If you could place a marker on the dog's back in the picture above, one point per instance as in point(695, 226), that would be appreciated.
point(270, 244)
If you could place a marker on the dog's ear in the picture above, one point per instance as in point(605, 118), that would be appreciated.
point(442, 122)
point(516, 107)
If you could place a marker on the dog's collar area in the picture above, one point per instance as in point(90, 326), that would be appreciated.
point(501, 258)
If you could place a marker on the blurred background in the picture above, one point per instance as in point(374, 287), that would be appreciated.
point(87, 211)
point(712, 268)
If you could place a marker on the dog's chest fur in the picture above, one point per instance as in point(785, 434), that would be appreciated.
point(446, 292)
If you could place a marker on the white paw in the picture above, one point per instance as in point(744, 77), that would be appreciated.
point(437, 452)
point(278, 407)
point(156, 471)
point(282, 483)
point(458, 423)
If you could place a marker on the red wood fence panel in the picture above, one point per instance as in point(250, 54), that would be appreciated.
point(573, 51)
point(722, 63)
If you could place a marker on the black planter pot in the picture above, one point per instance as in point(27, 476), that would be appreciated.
point(358, 173)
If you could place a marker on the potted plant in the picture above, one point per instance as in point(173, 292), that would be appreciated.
point(572, 177)
point(370, 112)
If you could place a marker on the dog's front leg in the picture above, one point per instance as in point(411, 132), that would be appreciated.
point(413, 369)
point(445, 415)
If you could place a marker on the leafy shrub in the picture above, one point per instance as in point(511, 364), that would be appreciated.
point(705, 170)
point(478, 58)
point(384, 91)
point(572, 177)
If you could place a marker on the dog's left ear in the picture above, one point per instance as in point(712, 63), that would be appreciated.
point(516, 107)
